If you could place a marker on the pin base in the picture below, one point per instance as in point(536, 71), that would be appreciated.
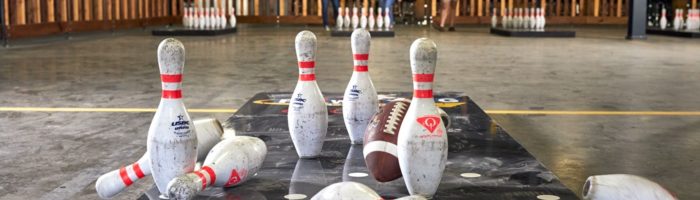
point(184, 31)
point(533, 33)
point(477, 144)
point(675, 33)
point(347, 32)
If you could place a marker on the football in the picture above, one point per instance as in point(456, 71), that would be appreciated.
point(380, 141)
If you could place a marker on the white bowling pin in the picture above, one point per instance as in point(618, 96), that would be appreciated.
point(422, 140)
point(232, 18)
point(360, 99)
point(355, 18)
point(363, 18)
point(192, 20)
point(230, 163)
point(663, 22)
point(412, 197)
point(307, 115)
point(196, 20)
point(346, 191)
point(380, 19)
point(172, 143)
point(112, 183)
point(370, 20)
point(185, 18)
point(675, 20)
point(494, 19)
point(526, 19)
point(347, 21)
point(339, 19)
point(202, 18)
point(215, 18)
point(533, 18)
point(224, 21)
point(623, 187)
point(387, 18)
point(505, 19)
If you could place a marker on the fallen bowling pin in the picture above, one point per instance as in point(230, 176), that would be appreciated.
point(229, 163)
point(346, 191)
point(412, 197)
point(112, 183)
point(360, 101)
point(422, 139)
point(623, 187)
point(308, 116)
point(172, 143)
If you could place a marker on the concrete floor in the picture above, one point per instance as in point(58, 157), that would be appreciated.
point(58, 155)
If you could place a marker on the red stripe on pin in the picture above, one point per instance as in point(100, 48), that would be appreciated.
point(307, 64)
point(172, 94)
point(137, 170)
point(423, 93)
point(361, 68)
point(307, 77)
point(361, 56)
point(171, 78)
point(423, 77)
point(201, 178)
point(212, 175)
point(125, 176)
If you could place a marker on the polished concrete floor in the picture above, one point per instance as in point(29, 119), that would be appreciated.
point(58, 155)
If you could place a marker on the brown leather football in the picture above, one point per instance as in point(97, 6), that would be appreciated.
point(380, 141)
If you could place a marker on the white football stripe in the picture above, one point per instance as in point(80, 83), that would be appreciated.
point(379, 145)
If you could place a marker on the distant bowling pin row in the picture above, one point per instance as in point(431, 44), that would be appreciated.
point(692, 22)
point(421, 146)
point(173, 146)
point(208, 18)
point(521, 18)
point(346, 20)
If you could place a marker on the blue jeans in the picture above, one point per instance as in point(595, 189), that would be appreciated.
point(387, 4)
point(324, 10)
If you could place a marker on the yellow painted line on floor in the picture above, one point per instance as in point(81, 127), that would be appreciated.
point(494, 112)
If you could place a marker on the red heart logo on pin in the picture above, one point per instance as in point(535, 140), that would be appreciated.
point(430, 122)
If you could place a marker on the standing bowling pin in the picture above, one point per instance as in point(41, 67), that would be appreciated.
point(526, 19)
point(422, 140)
point(202, 19)
point(543, 21)
point(185, 18)
point(363, 18)
point(505, 20)
point(307, 115)
point(663, 22)
point(230, 163)
point(346, 191)
point(355, 18)
point(677, 20)
point(387, 18)
point(339, 20)
point(347, 21)
point(232, 18)
point(195, 19)
point(224, 21)
point(360, 101)
point(494, 19)
point(370, 21)
point(172, 143)
point(380, 19)
point(533, 18)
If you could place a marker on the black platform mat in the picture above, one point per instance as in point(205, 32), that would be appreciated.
point(477, 144)
point(671, 32)
point(347, 32)
point(184, 31)
point(532, 33)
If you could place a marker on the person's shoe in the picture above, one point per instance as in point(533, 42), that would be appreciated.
point(451, 29)
point(327, 28)
point(437, 27)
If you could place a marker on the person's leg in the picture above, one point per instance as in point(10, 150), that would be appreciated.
point(444, 13)
point(336, 5)
point(324, 12)
point(390, 6)
point(453, 6)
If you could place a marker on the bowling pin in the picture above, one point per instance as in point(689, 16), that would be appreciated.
point(346, 191)
point(387, 18)
point(232, 18)
point(202, 19)
point(229, 163)
point(355, 18)
point(339, 20)
point(363, 18)
point(422, 140)
point(533, 18)
point(112, 183)
point(412, 197)
point(184, 18)
point(544, 20)
point(172, 144)
point(307, 115)
point(360, 101)
point(526, 19)
point(224, 22)
point(191, 20)
point(663, 22)
point(195, 18)
point(347, 21)
point(623, 187)
point(370, 20)
point(494, 19)
point(380, 19)
point(505, 19)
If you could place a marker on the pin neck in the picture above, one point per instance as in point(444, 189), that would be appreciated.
point(136, 170)
point(423, 85)
point(171, 86)
point(210, 172)
point(360, 61)
point(306, 71)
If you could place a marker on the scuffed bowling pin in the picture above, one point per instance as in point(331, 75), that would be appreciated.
point(360, 101)
point(370, 20)
point(422, 140)
point(172, 143)
point(347, 21)
point(230, 163)
point(355, 18)
point(346, 191)
point(380, 19)
point(363, 18)
point(339, 19)
point(307, 115)
point(623, 187)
